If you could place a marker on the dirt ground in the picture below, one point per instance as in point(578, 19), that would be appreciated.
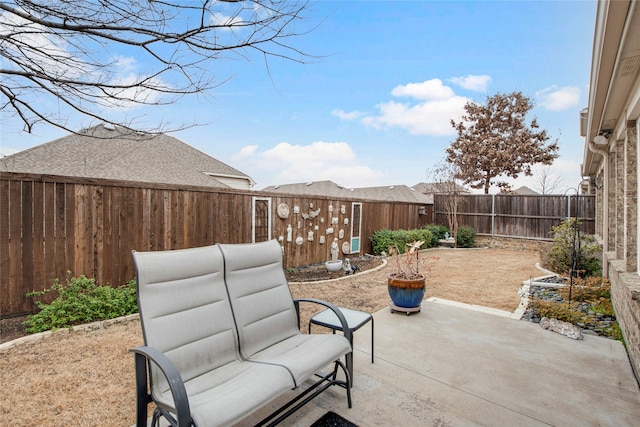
point(86, 378)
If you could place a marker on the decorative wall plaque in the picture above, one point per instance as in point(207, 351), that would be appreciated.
point(283, 210)
point(346, 249)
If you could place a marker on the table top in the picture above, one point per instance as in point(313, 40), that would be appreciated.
point(354, 318)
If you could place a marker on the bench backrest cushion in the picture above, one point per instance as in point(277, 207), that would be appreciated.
point(260, 296)
point(185, 311)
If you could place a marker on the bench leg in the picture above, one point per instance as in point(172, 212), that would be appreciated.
point(371, 339)
point(142, 395)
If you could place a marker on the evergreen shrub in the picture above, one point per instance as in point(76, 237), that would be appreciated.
point(466, 237)
point(80, 300)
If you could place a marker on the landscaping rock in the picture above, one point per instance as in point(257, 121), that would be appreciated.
point(563, 328)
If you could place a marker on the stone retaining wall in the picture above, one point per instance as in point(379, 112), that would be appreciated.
point(624, 292)
point(512, 243)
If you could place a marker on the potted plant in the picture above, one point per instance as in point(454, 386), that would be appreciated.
point(406, 285)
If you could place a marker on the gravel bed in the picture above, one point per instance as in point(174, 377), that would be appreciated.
point(594, 323)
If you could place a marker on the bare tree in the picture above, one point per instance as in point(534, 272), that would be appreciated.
point(547, 181)
point(494, 140)
point(446, 185)
point(62, 57)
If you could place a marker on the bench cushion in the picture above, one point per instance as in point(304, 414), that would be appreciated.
point(265, 313)
point(185, 311)
point(229, 393)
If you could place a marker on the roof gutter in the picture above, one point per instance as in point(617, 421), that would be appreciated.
point(605, 192)
point(611, 23)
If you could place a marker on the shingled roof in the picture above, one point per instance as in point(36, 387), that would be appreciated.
point(397, 193)
point(111, 152)
point(315, 188)
point(436, 188)
point(525, 191)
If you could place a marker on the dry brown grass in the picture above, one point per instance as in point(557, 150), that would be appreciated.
point(86, 378)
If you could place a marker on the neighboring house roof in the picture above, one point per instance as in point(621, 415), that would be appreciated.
point(398, 193)
point(436, 188)
point(110, 152)
point(525, 191)
point(317, 188)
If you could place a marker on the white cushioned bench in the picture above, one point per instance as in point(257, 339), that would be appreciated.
point(222, 337)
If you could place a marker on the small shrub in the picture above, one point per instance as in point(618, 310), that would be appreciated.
point(588, 289)
point(560, 255)
point(382, 240)
point(437, 231)
point(420, 234)
point(80, 300)
point(466, 237)
point(560, 311)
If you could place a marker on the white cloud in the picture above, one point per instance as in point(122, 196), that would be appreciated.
point(554, 98)
point(428, 90)
point(39, 46)
point(130, 97)
point(471, 82)
point(565, 166)
point(347, 115)
point(245, 152)
point(56, 56)
point(431, 113)
point(225, 21)
point(286, 163)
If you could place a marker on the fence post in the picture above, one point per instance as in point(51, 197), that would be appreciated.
point(493, 215)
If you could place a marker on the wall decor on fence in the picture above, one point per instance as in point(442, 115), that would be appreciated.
point(283, 211)
point(311, 214)
point(310, 227)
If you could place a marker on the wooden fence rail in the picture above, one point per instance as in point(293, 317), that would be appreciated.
point(509, 215)
point(50, 225)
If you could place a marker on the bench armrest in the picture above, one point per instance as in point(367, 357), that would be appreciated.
point(144, 356)
point(336, 310)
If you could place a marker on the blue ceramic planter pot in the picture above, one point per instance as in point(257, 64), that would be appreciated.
point(407, 293)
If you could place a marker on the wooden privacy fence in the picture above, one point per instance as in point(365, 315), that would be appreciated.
point(50, 224)
point(509, 215)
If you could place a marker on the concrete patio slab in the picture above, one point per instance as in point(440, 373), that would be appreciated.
point(457, 365)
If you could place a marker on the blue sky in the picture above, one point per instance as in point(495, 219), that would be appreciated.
point(374, 107)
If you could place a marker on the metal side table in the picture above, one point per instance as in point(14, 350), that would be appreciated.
point(355, 320)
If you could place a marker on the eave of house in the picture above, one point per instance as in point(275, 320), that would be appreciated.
point(233, 181)
point(614, 73)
